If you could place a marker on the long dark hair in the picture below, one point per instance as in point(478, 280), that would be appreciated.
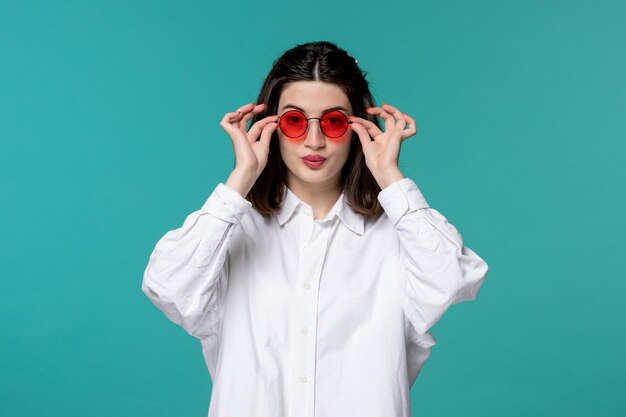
point(317, 61)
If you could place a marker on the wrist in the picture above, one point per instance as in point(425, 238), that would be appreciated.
point(388, 176)
point(241, 181)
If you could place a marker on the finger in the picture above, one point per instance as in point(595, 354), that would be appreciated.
point(412, 127)
point(400, 120)
point(367, 123)
point(258, 127)
point(229, 117)
point(254, 110)
point(234, 116)
point(389, 120)
point(362, 133)
point(246, 107)
point(371, 127)
point(266, 133)
point(228, 127)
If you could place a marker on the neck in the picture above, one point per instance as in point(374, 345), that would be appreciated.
point(320, 196)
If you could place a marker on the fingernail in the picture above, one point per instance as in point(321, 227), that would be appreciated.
point(369, 108)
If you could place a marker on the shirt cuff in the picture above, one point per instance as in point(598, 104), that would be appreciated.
point(226, 204)
point(401, 197)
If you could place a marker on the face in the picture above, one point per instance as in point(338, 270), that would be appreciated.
point(314, 98)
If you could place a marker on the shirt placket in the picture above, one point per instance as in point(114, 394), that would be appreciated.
point(312, 255)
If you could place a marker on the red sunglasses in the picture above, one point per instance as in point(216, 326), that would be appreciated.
point(294, 123)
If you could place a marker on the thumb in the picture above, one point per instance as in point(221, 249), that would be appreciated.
point(266, 133)
point(364, 137)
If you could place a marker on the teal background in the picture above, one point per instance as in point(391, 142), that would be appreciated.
point(110, 136)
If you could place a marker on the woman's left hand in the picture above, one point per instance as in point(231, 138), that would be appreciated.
point(383, 151)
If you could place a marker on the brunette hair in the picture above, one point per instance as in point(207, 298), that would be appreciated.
point(317, 61)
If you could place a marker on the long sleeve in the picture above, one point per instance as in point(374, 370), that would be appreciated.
point(440, 270)
point(186, 275)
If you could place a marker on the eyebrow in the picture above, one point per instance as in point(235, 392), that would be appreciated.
point(324, 111)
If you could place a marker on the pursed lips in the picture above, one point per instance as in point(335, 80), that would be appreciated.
point(316, 158)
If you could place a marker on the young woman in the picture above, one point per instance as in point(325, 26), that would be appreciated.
point(313, 275)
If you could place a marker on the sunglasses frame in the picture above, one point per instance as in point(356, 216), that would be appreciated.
point(320, 123)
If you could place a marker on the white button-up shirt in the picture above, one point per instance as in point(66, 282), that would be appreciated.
point(301, 317)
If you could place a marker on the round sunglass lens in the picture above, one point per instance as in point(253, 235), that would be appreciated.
point(334, 124)
point(293, 123)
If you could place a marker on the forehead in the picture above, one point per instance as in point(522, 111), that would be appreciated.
point(313, 96)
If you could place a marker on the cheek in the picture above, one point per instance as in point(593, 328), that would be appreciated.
point(286, 150)
point(282, 144)
point(346, 142)
point(286, 139)
point(340, 154)
point(342, 139)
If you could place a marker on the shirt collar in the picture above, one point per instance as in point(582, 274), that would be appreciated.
point(291, 203)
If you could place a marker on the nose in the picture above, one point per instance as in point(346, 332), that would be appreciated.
point(314, 136)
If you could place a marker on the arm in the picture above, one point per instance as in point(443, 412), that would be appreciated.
point(186, 275)
point(441, 271)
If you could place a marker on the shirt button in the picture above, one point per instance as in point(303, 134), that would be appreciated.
point(307, 285)
point(305, 330)
point(303, 378)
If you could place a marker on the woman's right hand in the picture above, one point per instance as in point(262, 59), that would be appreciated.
point(250, 154)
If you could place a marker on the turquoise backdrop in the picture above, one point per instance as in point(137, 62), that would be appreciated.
point(110, 136)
